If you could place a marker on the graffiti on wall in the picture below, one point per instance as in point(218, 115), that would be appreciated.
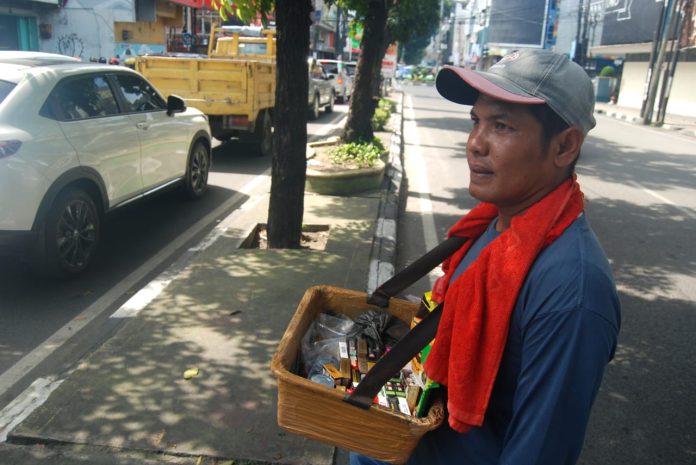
point(71, 45)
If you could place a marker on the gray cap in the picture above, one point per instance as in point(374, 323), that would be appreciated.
point(530, 76)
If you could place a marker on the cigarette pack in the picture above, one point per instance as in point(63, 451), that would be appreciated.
point(362, 355)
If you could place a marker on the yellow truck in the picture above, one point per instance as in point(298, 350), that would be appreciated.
point(234, 85)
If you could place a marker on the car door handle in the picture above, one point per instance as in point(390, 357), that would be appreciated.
point(142, 125)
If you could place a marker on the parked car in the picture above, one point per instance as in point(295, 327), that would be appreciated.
point(343, 79)
point(321, 91)
point(78, 140)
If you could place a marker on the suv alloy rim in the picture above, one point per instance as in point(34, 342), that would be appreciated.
point(199, 169)
point(76, 234)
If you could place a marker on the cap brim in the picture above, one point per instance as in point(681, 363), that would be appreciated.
point(463, 86)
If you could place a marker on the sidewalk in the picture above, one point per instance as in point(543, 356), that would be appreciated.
point(129, 403)
point(678, 123)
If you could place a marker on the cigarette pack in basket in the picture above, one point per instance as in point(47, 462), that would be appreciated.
point(318, 412)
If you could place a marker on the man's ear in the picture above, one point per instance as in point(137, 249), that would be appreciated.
point(566, 146)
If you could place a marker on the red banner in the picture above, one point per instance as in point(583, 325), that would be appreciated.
point(195, 3)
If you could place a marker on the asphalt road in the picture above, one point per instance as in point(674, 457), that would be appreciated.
point(47, 326)
point(640, 187)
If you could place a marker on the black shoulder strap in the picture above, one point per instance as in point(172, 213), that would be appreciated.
point(414, 340)
point(415, 271)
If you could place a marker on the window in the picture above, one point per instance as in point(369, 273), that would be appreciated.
point(84, 97)
point(317, 72)
point(140, 95)
point(330, 68)
point(5, 89)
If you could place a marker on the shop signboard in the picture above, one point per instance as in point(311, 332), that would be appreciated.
point(630, 21)
point(517, 23)
point(389, 62)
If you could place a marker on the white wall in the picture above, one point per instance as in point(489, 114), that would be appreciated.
point(682, 99)
point(85, 28)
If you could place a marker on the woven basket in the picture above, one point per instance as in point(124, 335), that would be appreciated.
point(318, 412)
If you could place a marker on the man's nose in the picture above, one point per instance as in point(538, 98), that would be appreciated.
point(476, 144)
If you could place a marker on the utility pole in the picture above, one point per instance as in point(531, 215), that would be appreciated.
point(585, 32)
point(667, 33)
point(340, 37)
point(578, 46)
point(438, 43)
point(671, 67)
point(653, 55)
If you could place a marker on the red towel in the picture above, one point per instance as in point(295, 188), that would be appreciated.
point(473, 330)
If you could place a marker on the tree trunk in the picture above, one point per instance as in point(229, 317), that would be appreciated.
point(366, 91)
point(290, 138)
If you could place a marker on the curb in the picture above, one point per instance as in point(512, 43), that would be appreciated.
point(639, 121)
point(383, 252)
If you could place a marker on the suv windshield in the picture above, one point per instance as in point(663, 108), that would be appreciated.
point(330, 68)
point(5, 89)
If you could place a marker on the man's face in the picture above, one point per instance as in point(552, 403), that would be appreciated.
point(509, 164)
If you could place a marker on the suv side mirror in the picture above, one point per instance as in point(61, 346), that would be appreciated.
point(175, 104)
point(330, 76)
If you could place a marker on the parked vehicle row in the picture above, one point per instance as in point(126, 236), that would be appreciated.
point(78, 140)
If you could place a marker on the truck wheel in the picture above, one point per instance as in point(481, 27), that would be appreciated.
point(70, 234)
point(314, 111)
point(264, 134)
point(330, 107)
point(196, 182)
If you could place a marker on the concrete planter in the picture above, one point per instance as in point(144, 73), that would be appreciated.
point(338, 181)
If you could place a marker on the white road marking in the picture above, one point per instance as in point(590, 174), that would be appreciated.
point(420, 173)
point(23, 405)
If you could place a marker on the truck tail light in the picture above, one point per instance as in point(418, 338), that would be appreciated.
point(9, 147)
point(232, 121)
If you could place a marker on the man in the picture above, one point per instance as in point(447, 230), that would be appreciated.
point(531, 315)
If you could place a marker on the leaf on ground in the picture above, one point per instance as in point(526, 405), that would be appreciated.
point(190, 373)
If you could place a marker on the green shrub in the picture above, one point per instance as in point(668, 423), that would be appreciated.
point(607, 71)
point(384, 109)
point(379, 119)
point(360, 153)
point(387, 104)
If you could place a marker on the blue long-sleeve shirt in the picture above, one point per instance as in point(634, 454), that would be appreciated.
point(563, 332)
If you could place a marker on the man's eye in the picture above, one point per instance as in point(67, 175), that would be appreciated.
point(474, 120)
point(501, 126)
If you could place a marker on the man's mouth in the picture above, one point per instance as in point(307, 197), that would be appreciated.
point(480, 171)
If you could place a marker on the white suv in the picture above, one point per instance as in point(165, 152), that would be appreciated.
point(78, 140)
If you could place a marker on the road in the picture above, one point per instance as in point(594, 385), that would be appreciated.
point(47, 325)
point(640, 187)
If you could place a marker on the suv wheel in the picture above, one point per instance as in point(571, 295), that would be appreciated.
point(265, 134)
point(71, 234)
point(314, 111)
point(330, 107)
point(197, 171)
